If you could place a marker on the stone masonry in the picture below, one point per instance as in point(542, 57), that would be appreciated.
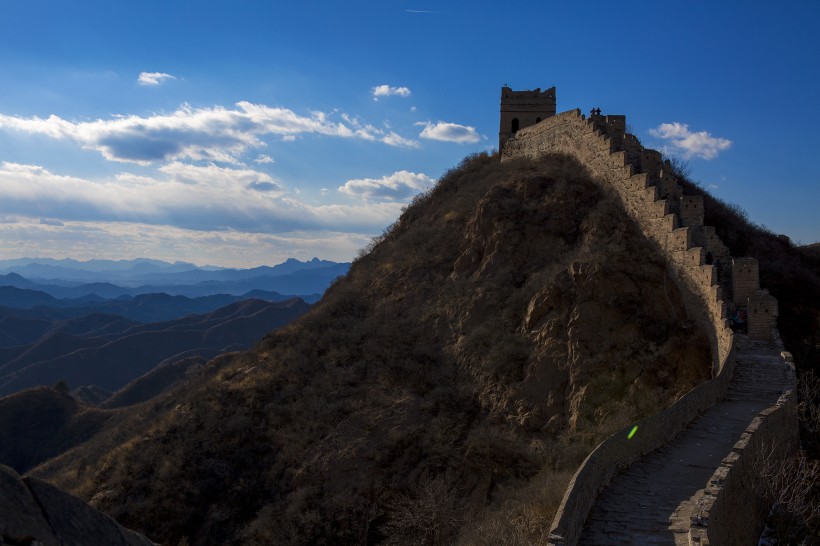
point(520, 109)
point(648, 189)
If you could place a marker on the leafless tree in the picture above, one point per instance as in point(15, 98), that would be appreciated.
point(791, 485)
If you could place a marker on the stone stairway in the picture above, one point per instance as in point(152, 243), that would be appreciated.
point(652, 501)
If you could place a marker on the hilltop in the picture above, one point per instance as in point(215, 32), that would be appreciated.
point(512, 318)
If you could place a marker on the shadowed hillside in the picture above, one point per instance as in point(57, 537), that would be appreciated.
point(447, 387)
point(40, 423)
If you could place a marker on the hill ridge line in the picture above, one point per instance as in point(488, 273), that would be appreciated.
point(650, 193)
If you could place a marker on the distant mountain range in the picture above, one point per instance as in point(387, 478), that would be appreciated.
point(150, 307)
point(109, 351)
point(99, 335)
point(157, 276)
point(89, 283)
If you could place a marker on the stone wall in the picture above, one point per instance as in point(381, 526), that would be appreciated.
point(651, 195)
point(641, 180)
point(618, 452)
point(729, 513)
point(527, 107)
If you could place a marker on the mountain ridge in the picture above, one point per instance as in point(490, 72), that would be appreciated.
point(451, 361)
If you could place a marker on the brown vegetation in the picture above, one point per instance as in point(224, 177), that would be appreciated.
point(444, 390)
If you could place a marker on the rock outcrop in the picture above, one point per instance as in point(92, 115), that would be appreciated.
point(33, 512)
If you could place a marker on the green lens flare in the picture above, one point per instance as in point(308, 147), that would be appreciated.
point(632, 432)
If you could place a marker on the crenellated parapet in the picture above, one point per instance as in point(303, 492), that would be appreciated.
point(653, 196)
point(699, 262)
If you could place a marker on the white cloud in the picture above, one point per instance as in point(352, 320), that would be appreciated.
point(682, 141)
point(153, 78)
point(395, 187)
point(449, 132)
point(394, 139)
point(262, 158)
point(210, 134)
point(387, 90)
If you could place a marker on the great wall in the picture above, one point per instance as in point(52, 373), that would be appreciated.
point(687, 476)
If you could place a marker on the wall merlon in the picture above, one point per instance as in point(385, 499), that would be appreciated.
point(745, 279)
point(669, 187)
point(651, 162)
point(680, 239)
point(762, 313)
point(695, 256)
point(660, 208)
point(639, 181)
point(691, 210)
point(708, 275)
point(617, 159)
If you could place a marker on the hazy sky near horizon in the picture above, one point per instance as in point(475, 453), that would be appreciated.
point(243, 133)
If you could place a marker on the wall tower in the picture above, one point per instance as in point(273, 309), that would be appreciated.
point(521, 109)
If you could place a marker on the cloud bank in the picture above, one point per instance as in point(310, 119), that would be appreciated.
point(682, 141)
point(122, 240)
point(210, 197)
point(210, 134)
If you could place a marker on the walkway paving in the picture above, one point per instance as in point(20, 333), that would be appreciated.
point(651, 502)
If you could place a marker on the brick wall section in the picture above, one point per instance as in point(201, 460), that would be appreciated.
point(729, 513)
point(591, 142)
point(745, 279)
point(762, 313)
point(640, 180)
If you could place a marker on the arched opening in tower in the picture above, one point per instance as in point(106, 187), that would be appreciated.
point(515, 125)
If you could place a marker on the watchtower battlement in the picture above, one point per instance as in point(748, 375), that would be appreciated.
point(521, 109)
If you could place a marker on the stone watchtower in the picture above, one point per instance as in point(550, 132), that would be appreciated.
point(521, 109)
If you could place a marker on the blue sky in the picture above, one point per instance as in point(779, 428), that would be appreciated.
point(242, 133)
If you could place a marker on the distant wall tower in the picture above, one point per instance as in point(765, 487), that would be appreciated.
point(521, 109)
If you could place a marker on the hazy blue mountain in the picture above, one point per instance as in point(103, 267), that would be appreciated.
point(100, 265)
point(63, 352)
point(145, 270)
point(64, 279)
point(149, 307)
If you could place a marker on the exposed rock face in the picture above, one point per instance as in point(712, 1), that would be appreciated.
point(34, 512)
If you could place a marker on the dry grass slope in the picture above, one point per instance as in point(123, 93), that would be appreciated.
point(443, 391)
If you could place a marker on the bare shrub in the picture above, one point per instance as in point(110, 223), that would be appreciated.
point(680, 167)
point(525, 518)
point(808, 408)
point(790, 486)
point(430, 514)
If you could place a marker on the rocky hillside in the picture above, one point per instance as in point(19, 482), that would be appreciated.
point(443, 391)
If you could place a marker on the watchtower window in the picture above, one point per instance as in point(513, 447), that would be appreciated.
point(537, 120)
point(515, 125)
